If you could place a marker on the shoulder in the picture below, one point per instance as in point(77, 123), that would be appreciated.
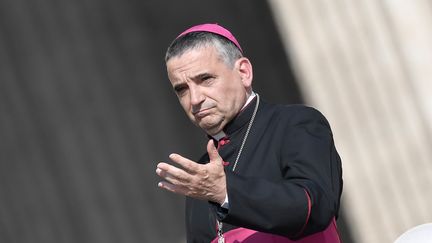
point(295, 114)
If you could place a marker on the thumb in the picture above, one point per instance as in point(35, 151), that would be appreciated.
point(212, 151)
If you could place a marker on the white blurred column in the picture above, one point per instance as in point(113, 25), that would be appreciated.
point(367, 65)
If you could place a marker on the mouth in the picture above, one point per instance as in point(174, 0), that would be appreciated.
point(201, 113)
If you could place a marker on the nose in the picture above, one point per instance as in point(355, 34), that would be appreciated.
point(196, 96)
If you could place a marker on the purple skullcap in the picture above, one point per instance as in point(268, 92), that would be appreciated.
point(215, 29)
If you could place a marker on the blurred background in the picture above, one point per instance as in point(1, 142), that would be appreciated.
point(86, 109)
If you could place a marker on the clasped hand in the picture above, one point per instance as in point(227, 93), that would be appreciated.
point(201, 181)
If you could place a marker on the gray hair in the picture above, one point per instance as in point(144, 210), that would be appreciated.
point(227, 51)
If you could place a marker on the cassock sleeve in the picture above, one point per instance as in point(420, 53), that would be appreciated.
point(306, 199)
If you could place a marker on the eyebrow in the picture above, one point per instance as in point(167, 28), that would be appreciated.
point(201, 76)
point(194, 78)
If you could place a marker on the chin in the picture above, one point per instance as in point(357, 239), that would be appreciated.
point(210, 128)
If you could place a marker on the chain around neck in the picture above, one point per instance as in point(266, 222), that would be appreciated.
point(247, 132)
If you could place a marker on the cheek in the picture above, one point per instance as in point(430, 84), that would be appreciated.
point(184, 103)
point(229, 95)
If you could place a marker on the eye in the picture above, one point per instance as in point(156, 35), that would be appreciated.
point(207, 79)
point(180, 89)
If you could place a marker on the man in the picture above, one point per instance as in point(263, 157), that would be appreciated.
point(271, 172)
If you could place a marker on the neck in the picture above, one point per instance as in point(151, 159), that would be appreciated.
point(249, 99)
point(220, 134)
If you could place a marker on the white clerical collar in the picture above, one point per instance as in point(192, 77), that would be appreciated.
point(222, 134)
point(249, 100)
point(219, 135)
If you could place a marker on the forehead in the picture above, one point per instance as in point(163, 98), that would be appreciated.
point(194, 61)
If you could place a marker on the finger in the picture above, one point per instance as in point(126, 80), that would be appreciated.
point(190, 166)
point(171, 187)
point(163, 166)
point(212, 152)
point(167, 176)
point(172, 173)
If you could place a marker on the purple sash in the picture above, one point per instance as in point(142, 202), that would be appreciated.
point(243, 235)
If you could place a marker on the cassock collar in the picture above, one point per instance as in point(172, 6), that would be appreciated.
point(242, 118)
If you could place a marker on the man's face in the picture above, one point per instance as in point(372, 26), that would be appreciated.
point(210, 92)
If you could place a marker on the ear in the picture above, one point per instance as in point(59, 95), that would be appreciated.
point(244, 68)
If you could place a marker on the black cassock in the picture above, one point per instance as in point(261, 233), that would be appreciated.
point(288, 180)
